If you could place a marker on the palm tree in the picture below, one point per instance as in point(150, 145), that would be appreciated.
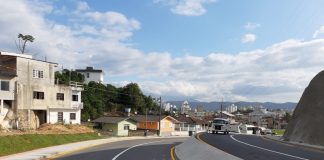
point(23, 39)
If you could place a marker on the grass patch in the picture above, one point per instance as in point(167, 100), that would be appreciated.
point(278, 131)
point(20, 143)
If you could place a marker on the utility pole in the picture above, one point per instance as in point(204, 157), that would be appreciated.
point(221, 109)
point(145, 121)
point(160, 116)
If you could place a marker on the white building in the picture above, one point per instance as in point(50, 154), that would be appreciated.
point(90, 74)
point(29, 96)
point(185, 108)
point(232, 108)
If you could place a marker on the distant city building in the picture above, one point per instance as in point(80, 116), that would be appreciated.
point(232, 108)
point(200, 112)
point(90, 74)
point(258, 114)
point(167, 107)
point(185, 108)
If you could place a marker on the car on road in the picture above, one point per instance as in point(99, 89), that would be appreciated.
point(219, 125)
point(264, 130)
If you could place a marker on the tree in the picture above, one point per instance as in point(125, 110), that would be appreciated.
point(22, 42)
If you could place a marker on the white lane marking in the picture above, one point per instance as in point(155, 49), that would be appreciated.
point(133, 147)
point(267, 149)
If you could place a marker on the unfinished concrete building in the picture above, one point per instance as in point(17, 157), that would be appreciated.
point(29, 96)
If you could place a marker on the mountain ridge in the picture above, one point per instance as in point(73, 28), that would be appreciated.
point(213, 106)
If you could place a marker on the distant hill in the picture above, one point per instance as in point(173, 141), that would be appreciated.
point(213, 106)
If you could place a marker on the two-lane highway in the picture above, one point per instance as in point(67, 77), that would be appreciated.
point(143, 149)
point(256, 148)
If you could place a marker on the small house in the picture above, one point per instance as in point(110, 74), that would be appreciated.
point(151, 122)
point(119, 126)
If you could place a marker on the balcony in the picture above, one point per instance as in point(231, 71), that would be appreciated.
point(77, 106)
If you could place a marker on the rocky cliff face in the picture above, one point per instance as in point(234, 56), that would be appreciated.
point(307, 123)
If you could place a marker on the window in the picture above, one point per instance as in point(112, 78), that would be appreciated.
point(162, 125)
point(88, 75)
point(60, 96)
point(126, 126)
point(38, 95)
point(38, 74)
point(4, 85)
point(75, 97)
point(170, 125)
point(60, 117)
point(72, 116)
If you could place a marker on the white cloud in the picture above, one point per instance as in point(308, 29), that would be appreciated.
point(251, 26)
point(247, 38)
point(187, 7)
point(82, 6)
point(318, 32)
point(277, 73)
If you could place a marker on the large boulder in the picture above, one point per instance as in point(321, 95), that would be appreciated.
point(307, 123)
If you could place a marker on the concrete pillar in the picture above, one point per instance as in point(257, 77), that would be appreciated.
point(1, 105)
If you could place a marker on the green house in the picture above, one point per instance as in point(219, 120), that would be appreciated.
point(119, 126)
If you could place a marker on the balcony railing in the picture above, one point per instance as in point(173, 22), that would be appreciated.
point(77, 106)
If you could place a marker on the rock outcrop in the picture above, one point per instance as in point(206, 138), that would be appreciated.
point(307, 123)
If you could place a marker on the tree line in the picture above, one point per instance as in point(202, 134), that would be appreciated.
point(99, 98)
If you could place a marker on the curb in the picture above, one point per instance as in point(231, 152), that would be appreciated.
point(296, 144)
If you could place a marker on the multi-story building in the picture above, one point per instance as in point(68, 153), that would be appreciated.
point(185, 108)
point(90, 74)
point(232, 108)
point(29, 96)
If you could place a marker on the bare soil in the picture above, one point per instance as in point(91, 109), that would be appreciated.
point(50, 129)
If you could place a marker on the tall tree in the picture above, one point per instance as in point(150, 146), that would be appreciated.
point(22, 42)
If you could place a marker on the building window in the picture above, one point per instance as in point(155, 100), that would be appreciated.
point(162, 125)
point(38, 74)
point(60, 117)
point(60, 96)
point(72, 116)
point(38, 95)
point(4, 85)
point(75, 97)
point(88, 75)
point(126, 126)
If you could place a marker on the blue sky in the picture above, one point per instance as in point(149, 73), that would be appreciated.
point(179, 49)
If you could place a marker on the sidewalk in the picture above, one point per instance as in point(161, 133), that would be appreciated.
point(55, 151)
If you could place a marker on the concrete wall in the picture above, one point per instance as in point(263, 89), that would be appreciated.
point(52, 116)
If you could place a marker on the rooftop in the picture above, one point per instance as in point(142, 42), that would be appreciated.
point(89, 69)
point(112, 120)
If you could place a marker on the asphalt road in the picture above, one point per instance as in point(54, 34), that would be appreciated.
point(144, 149)
point(256, 148)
